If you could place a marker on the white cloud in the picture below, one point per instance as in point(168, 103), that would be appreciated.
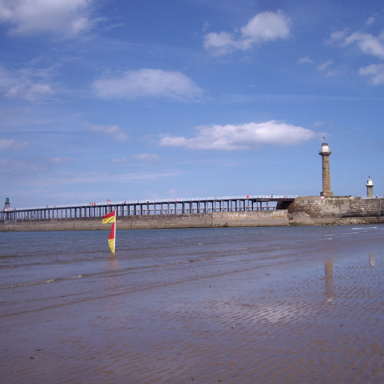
point(11, 165)
point(26, 83)
point(6, 79)
point(21, 167)
point(60, 160)
point(367, 43)
point(30, 17)
point(98, 177)
point(146, 82)
point(326, 68)
point(146, 157)
point(245, 136)
point(43, 178)
point(336, 37)
point(151, 158)
point(375, 72)
point(30, 91)
point(305, 60)
point(206, 26)
point(221, 43)
point(115, 132)
point(265, 26)
point(11, 144)
point(370, 21)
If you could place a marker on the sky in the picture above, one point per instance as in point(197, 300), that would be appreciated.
point(136, 100)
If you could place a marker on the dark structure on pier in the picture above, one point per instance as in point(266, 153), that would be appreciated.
point(161, 207)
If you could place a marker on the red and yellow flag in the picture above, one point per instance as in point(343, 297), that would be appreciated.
point(111, 218)
point(112, 238)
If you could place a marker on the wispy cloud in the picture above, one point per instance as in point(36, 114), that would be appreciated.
point(144, 157)
point(101, 177)
point(337, 37)
point(305, 60)
point(30, 17)
point(6, 79)
point(366, 42)
point(265, 26)
point(115, 132)
point(39, 172)
point(29, 91)
point(146, 82)
point(11, 144)
point(375, 72)
point(370, 21)
point(60, 160)
point(327, 68)
point(244, 136)
point(20, 167)
point(28, 83)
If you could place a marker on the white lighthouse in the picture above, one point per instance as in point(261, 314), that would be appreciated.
point(369, 186)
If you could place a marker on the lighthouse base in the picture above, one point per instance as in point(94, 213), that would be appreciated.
point(326, 194)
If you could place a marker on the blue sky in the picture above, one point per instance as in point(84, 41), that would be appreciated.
point(149, 99)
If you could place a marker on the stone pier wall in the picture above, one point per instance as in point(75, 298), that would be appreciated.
point(310, 210)
point(201, 220)
point(337, 210)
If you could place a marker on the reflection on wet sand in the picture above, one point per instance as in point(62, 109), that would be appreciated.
point(372, 259)
point(329, 295)
point(113, 264)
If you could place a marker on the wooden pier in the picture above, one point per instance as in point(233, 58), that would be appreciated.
point(153, 207)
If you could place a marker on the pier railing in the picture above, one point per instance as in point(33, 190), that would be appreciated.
point(151, 207)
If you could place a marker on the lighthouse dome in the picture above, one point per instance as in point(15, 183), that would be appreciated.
point(325, 148)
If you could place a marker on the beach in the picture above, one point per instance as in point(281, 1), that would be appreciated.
point(229, 305)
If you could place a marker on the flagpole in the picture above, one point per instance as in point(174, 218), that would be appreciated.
point(115, 231)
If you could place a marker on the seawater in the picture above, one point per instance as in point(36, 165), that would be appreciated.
point(32, 263)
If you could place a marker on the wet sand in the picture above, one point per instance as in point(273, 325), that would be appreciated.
point(284, 319)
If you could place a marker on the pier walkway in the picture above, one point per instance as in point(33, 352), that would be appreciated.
point(151, 207)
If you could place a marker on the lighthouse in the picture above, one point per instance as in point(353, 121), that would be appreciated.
point(369, 186)
point(325, 152)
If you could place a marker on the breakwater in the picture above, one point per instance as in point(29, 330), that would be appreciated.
point(306, 210)
point(193, 220)
point(337, 210)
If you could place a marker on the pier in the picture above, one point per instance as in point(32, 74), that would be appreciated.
point(151, 207)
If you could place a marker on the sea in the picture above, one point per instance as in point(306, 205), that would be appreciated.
point(39, 260)
point(166, 306)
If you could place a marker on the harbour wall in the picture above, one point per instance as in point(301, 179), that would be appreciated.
point(198, 220)
point(337, 210)
point(306, 210)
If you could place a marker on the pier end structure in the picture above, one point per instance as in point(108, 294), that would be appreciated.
point(369, 186)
